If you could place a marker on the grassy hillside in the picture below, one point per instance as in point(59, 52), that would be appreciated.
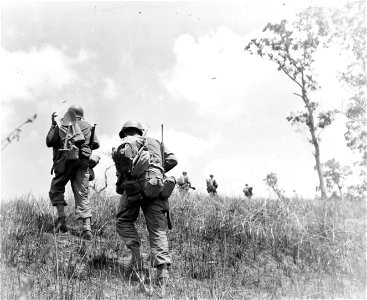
point(223, 248)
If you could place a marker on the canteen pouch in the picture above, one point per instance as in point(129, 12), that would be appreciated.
point(169, 184)
point(73, 153)
point(153, 187)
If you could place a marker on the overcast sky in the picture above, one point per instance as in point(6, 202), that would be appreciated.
point(181, 64)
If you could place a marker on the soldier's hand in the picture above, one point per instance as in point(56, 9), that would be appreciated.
point(53, 118)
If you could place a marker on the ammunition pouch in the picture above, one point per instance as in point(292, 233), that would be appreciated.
point(152, 184)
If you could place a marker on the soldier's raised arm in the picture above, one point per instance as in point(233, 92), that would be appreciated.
point(52, 137)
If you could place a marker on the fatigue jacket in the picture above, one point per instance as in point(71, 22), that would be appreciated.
point(154, 148)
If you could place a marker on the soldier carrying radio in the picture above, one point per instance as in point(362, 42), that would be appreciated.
point(72, 141)
point(141, 163)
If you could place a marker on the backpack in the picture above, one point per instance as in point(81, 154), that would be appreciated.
point(75, 139)
point(132, 157)
point(181, 180)
point(134, 175)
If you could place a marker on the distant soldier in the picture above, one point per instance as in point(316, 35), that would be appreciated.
point(184, 182)
point(247, 190)
point(72, 166)
point(143, 192)
point(211, 185)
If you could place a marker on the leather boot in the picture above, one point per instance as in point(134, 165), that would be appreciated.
point(162, 279)
point(162, 274)
point(60, 225)
point(87, 232)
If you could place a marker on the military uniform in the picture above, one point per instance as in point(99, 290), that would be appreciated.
point(211, 185)
point(76, 171)
point(247, 190)
point(184, 183)
point(153, 210)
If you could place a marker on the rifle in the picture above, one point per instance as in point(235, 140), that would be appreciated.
point(92, 133)
point(169, 223)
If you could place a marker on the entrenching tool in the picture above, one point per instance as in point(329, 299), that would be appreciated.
point(68, 120)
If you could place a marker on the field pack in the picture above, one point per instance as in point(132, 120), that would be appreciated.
point(74, 137)
point(132, 157)
point(135, 174)
point(132, 162)
point(180, 180)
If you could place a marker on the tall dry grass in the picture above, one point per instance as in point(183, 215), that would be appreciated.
point(221, 247)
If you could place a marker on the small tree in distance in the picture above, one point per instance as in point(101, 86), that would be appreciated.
point(292, 48)
point(272, 181)
point(335, 175)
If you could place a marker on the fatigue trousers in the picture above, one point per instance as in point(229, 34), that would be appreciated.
point(156, 225)
point(78, 173)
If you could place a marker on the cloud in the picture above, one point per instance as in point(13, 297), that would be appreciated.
point(214, 72)
point(110, 90)
point(27, 74)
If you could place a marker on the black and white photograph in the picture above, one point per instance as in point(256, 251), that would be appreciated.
point(183, 149)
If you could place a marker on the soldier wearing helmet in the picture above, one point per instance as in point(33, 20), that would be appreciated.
point(211, 185)
point(78, 110)
point(184, 183)
point(131, 126)
point(75, 169)
point(153, 208)
point(247, 190)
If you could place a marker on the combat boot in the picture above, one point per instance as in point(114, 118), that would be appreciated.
point(136, 262)
point(162, 279)
point(162, 274)
point(87, 232)
point(60, 225)
point(87, 235)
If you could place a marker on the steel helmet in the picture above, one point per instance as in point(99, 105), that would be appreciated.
point(131, 124)
point(78, 110)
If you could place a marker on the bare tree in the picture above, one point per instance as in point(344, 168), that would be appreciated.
point(272, 181)
point(15, 134)
point(100, 189)
point(335, 175)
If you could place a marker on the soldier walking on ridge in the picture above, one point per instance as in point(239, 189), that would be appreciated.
point(211, 185)
point(247, 190)
point(134, 191)
point(184, 183)
point(71, 156)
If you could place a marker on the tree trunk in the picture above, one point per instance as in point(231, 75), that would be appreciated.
point(318, 163)
point(314, 141)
